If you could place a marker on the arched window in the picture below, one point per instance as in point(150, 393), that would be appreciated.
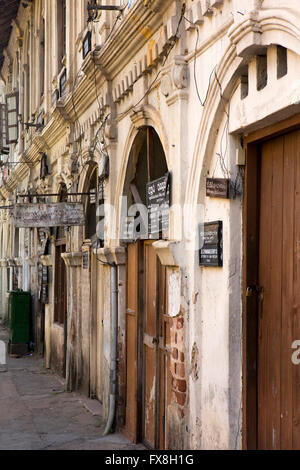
point(147, 163)
point(91, 207)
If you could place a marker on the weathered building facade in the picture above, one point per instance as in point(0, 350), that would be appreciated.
point(196, 102)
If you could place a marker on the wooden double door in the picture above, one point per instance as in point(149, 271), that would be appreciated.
point(148, 376)
point(278, 293)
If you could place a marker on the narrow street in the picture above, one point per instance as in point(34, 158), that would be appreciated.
point(37, 414)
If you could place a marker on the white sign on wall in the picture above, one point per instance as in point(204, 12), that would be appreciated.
point(174, 294)
point(61, 214)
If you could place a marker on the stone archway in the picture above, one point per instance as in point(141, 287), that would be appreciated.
point(255, 35)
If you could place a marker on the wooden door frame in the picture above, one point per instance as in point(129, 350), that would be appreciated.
point(142, 299)
point(140, 393)
point(251, 209)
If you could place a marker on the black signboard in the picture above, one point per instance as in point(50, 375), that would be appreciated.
point(217, 187)
point(158, 204)
point(211, 241)
point(45, 275)
point(45, 294)
point(85, 260)
point(44, 287)
point(87, 44)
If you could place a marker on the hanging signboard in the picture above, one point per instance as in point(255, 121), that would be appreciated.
point(85, 260)
point(158, 204)
point(211, 240)
point(45, 284)
point(62, 214)
point(217, 187)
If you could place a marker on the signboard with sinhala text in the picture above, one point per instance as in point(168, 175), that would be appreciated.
point(158, 205)
point(211, 240)
point(61, 214)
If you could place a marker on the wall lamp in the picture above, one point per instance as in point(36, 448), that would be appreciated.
point(93, 9)
point(30, 124)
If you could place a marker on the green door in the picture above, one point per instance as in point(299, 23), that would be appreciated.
point(19, 317)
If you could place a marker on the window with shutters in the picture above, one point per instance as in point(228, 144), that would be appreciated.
point(2, 126)
point(12, 109)
point(63, 84)
point(61, 32)
point(91, 208)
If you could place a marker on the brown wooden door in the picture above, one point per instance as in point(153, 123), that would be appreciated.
point(279, 306)
point(156, 360)
point(147, 352)
point(132, 342)
point(150, 344)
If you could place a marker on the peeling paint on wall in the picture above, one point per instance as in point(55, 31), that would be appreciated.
point(194, 363)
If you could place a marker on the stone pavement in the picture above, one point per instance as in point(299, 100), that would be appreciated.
point(36, 413)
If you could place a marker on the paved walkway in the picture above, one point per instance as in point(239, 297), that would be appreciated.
point(36, 413)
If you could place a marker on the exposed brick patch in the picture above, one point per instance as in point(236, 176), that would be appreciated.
point(178, 369)
point(181, 385)
point(180, 398)
point(175, 353)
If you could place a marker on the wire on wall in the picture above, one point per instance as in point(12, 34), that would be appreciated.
point(221, 156)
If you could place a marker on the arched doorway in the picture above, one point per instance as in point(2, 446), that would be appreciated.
point(147, 326)
point(60, 288)
point(91, 292)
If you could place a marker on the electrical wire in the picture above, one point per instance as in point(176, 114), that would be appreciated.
point(97, 96)
point(154, 80)
point(202, 102)
point(221, 156)
point(104, 122)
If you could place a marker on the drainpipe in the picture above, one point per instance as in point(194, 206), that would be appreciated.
point(114, 348)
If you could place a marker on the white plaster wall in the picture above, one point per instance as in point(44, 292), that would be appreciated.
point(211, 297)
point(278, 100)
point(215, 322)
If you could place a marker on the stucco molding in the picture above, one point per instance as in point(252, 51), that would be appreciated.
point(166, 253)
point(144, 115)
point(46, 260)
point(228, 74)
point(148, 115)
point(30, 261)
point(115, 255)
point(264, 28)
point(72, 259)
